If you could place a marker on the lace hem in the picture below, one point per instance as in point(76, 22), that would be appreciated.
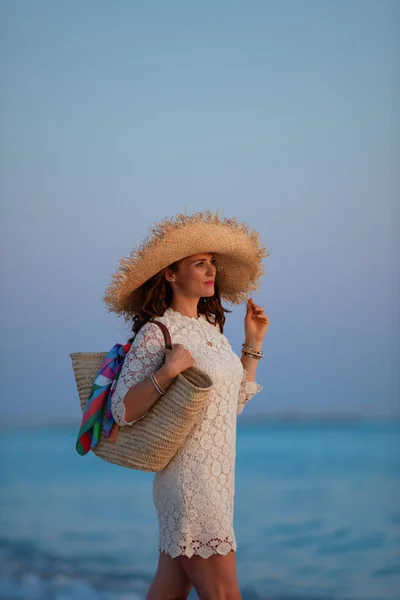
point(198, 548)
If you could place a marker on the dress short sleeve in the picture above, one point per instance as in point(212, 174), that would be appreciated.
point(247, 390)
point(145, 356)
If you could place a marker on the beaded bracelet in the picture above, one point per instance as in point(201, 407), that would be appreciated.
point(155, 383)
point(251, 355)
point(252, 351)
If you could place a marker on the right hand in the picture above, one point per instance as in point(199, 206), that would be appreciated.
point(178, 359)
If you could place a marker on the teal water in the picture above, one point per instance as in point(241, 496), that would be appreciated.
point(317, 515)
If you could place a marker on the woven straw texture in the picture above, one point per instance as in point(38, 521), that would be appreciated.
point(152, 442)
point(238, 252)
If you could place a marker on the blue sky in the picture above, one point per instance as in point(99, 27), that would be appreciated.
point(281, 114)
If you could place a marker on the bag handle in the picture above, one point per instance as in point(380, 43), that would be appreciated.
point(167, 340)
point(167, 337)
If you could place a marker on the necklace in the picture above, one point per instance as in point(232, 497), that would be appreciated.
point(197, 319)
point(209, 342)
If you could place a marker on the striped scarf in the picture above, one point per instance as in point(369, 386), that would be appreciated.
point(100, 396)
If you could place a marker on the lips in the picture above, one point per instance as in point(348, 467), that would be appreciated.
point(211, 282)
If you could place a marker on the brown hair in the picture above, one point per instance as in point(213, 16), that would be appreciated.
point(156, 296)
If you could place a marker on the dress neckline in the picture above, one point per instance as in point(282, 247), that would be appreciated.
point(178, 314)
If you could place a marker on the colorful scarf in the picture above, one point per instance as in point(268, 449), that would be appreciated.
point(101, 394)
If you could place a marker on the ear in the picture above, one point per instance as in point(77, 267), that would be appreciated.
point(169, 275)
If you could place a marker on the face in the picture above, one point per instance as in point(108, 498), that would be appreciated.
point(194, 273)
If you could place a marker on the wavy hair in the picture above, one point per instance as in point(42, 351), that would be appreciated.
point(156, 296)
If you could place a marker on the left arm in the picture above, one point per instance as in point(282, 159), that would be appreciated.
point(256, 325)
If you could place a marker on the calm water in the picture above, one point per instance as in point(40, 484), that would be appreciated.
point(317, 516)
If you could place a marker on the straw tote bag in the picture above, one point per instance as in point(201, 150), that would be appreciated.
point(150, 443)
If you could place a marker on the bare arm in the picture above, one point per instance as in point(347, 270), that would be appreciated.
point(249, 363)
point(135, 393)
point(141, 397)
point(249, 386)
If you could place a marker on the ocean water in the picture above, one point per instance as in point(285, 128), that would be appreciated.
point(317, 515)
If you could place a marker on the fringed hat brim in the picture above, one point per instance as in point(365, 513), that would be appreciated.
point(238, 252)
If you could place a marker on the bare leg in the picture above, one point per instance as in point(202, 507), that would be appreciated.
point(170, 581)
point(214, 578)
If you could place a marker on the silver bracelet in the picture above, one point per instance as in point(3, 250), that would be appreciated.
point(138, 419)
point(158, 388)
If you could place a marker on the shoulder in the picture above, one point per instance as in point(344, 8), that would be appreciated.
point(149, 333)
point(213, 319)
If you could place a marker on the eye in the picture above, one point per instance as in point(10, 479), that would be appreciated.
point(202, 262)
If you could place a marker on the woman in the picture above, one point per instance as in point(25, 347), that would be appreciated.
point(194, 494)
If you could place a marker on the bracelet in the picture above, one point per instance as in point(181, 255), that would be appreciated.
point(251, 355)
point(155, 383)
point(142, 417)
point(252, 351)
point(159, 390)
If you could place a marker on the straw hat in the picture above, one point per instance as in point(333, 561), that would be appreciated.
point(237, 249)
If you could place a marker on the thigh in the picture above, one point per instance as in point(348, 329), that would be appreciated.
point(171, 581)
point(213, 577)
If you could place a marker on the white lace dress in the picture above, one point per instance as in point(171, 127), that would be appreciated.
point(194, 494)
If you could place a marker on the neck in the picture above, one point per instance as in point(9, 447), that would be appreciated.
point(186, 306)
